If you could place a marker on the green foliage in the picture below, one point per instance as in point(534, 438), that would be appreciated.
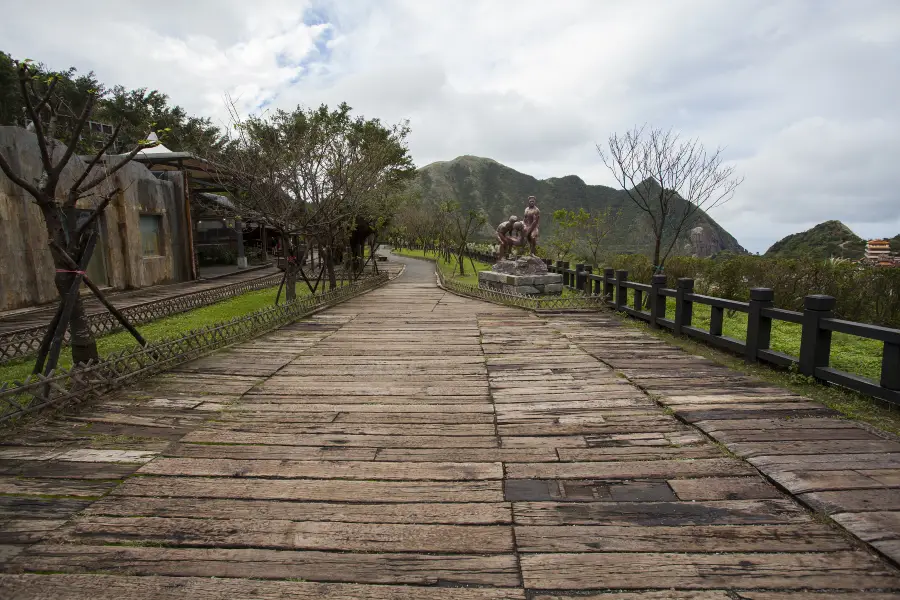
point(831, 239)
point(865, 294)
point(498, 191)
point(138, 111)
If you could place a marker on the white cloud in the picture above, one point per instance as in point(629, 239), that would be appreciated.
point(802, 94)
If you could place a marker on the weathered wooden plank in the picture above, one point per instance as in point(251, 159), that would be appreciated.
point(725, 512)
point(291, 535)
point(313, 489)
point(853, 500)
point(735, 538)
point(799, 482)
point(365, 441)
point(23, 507)
point(55, 487)
point(110, 587)
point(331, 429)
point(871, 526)
point(508, 455)
point(407, 568)
point(705, 467)
point(607, 453)
point(67, 470)
point(814, 462)
point(481, 513)
point(323, 469)
point(264, 407)
point(269, 452)
point(27, 531)
point(826, 446)
point(726, 488)
point(856, 595)
point(645, 595)
point(831, 570)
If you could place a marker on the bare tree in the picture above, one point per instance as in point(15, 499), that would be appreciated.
point(461, 226)
point(673, 181)
point(61, 196)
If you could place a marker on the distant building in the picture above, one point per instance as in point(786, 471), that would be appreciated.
point(878, 253)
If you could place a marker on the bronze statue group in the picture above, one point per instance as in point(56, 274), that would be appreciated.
point(516, 233)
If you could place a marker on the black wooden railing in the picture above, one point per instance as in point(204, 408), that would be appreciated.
point(817, 322)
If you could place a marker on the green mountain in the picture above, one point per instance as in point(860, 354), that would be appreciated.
point(486, 185)
point(824, 241)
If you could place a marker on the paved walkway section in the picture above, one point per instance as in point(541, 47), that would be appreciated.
point(15, 320)
point(411, 444)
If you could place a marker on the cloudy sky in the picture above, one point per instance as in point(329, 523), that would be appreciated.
point(803, 95)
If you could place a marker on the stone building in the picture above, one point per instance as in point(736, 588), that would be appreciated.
point(144, 237)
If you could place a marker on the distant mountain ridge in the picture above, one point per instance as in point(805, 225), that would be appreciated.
point(484, 184)
point(831, 239)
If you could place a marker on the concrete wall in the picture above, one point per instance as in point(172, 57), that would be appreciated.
point(26, 268)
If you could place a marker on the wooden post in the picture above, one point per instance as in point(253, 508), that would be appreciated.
point(657, 300)
point(684, 308)
point(559, 267)
point(579, 276)
point(588, 284)
point(890, 366)
point(608, 287)
point(815, 343)
point(566, 278)
point(716, 320)
point(759, 328)
point(621, 290)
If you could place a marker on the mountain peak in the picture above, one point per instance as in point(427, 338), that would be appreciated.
point(826, 240)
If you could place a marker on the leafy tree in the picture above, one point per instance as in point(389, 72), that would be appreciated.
point(563, 238)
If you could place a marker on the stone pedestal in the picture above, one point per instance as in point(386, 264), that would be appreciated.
point(523, 276)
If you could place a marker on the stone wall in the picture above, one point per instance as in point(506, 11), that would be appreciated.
point(26, 268)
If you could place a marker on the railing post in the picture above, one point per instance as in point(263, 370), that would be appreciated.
point(684, 309)
point(587, 284)
point(621, 290)
point(559, 267)
point(890, 366)
point(657, 300)
point(815, 343)
point(759, 328)
point(608, 287)
point(566, 277)
point(548, 262)
point(579, 276)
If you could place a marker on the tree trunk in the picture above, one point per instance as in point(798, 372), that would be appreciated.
point(656, 265)
point(329, 265)
point(462, 269)
point(290, 283)
point(81, 339)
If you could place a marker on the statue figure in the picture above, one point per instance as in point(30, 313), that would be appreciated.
point(532, 219)
point(510, 233)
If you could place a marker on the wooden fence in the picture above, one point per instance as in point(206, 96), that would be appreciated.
point(817, 324)
point(69, 386)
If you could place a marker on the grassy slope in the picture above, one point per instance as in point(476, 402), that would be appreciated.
point(164, 328)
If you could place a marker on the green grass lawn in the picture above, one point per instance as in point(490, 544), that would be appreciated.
point(849, 353)
point(164, 328)
point(450, 268)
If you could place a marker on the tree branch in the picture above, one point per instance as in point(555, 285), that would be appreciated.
point(7, 170)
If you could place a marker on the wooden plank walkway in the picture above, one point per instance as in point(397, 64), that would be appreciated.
point(412, 444)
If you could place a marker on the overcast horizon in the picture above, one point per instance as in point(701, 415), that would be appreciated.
point(801, 95)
